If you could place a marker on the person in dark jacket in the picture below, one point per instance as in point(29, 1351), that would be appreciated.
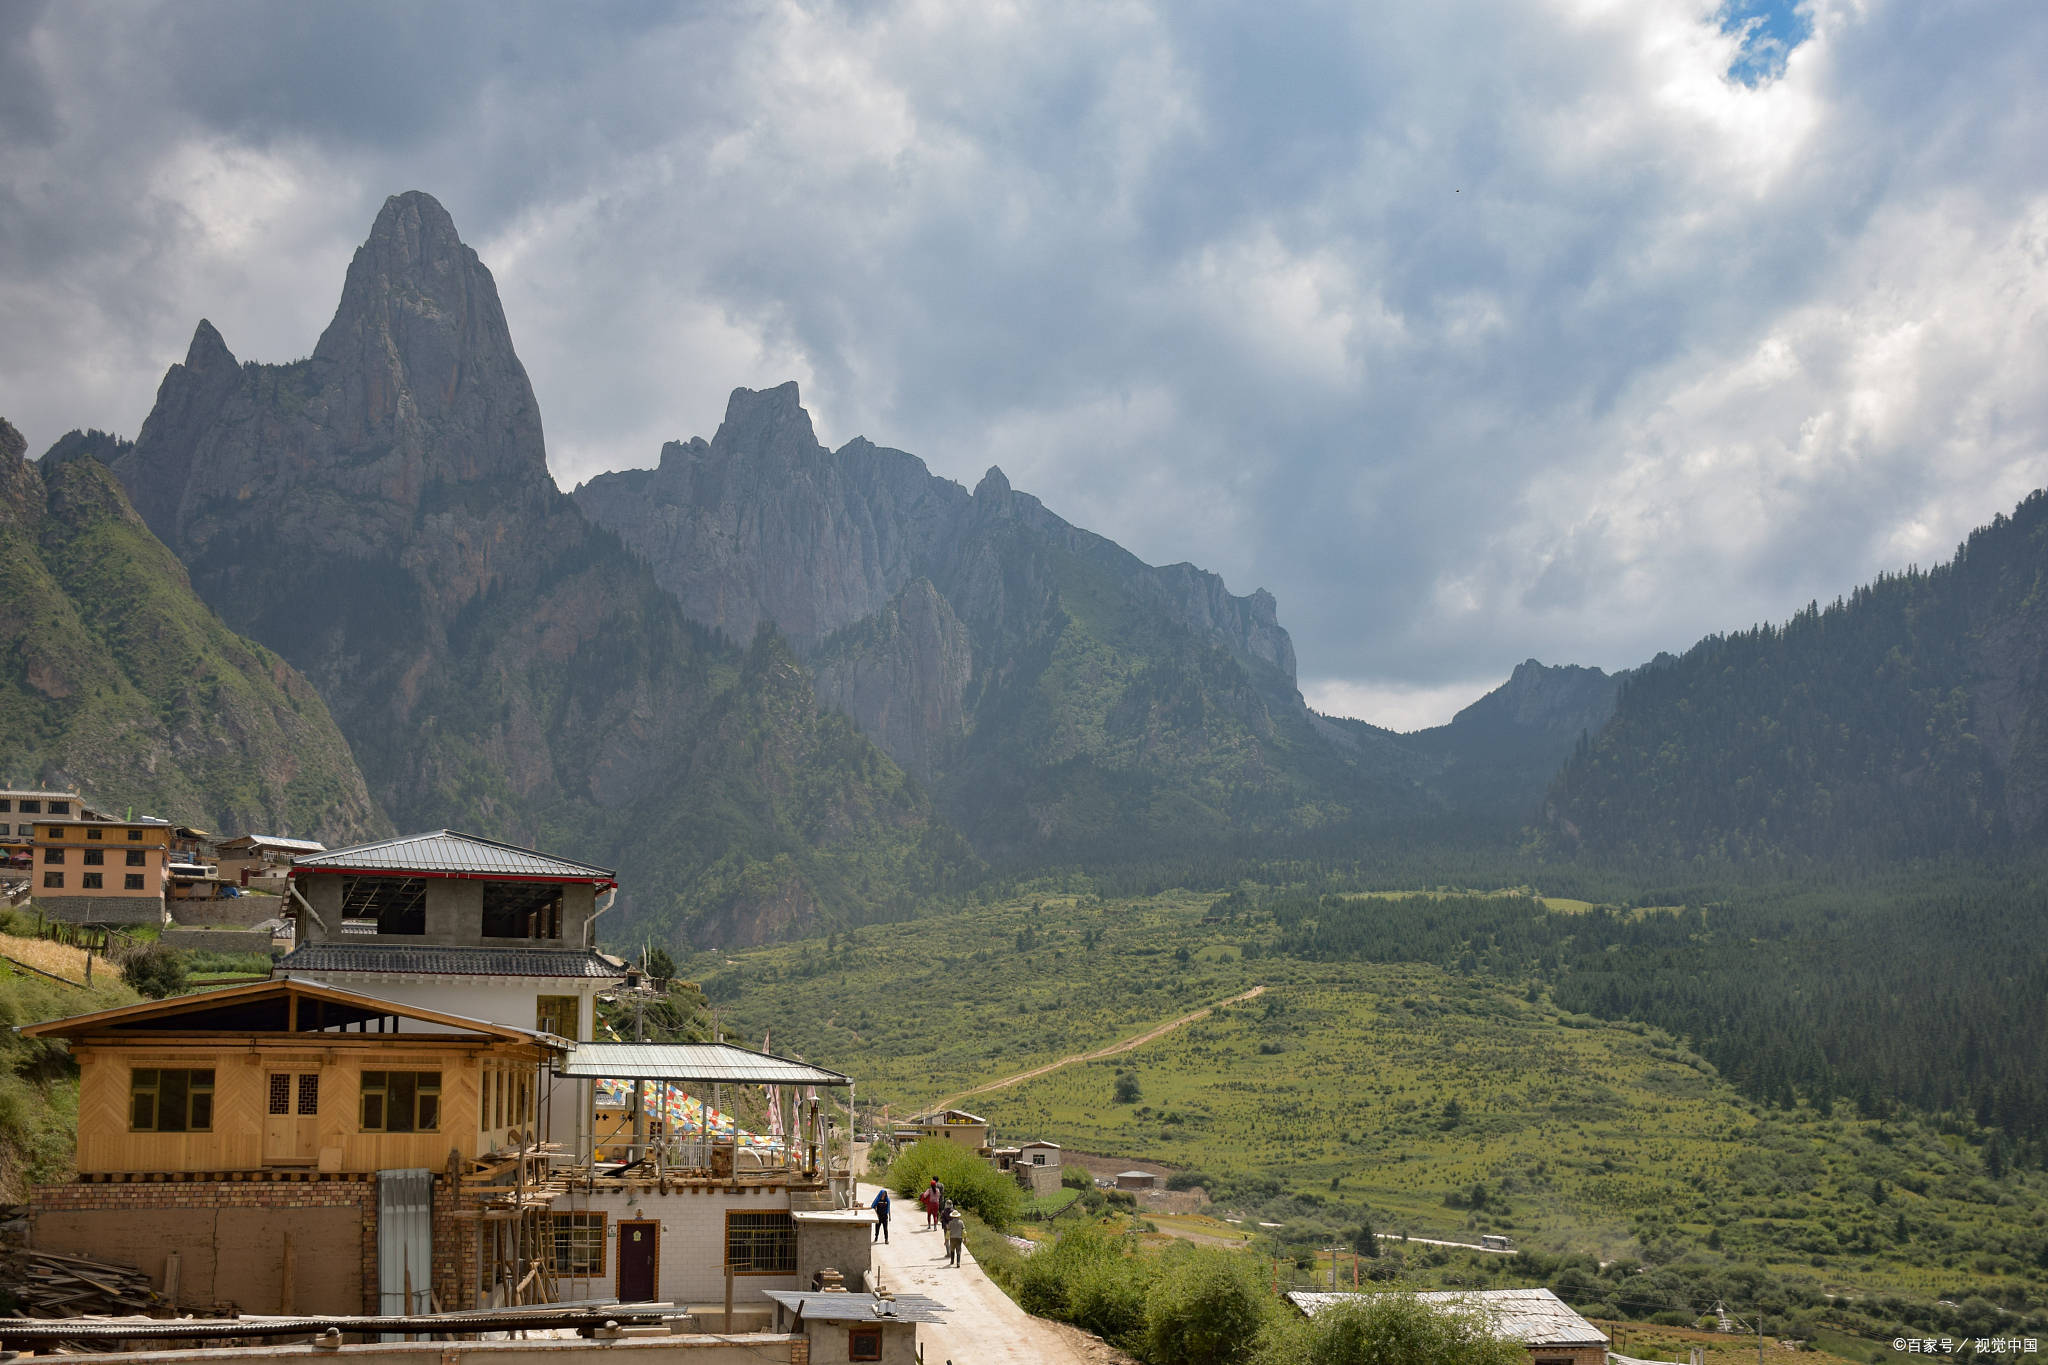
point(881, 1208)
point(956, 1235)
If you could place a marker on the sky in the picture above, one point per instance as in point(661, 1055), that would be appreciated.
point(1475, 331)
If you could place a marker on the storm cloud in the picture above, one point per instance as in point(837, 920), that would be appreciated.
point(1474, 331)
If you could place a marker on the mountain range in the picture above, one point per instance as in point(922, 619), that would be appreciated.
point(784, 687)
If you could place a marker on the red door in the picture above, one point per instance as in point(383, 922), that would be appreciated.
point(639, 1260)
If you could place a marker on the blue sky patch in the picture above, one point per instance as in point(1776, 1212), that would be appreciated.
point(1770, 29)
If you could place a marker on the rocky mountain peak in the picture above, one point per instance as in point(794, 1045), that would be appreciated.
point(209, 350)
point(768, 425)
point(994, 484)
point(13, 445)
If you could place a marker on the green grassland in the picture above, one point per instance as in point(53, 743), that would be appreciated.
point(1351, 1089)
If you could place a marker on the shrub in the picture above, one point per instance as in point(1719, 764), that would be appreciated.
point(970, 1182)
point(1076, 1178)
point(1126, 1087)
point(155, 971)
point(1093, 1280)
point(1206, 1308)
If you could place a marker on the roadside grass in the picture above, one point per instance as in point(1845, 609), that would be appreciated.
point(1393, 1089)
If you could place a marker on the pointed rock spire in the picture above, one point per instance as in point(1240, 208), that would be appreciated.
point(993, 484)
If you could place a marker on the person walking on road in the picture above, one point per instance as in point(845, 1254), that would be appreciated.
point(956, 1235)
point(934, 1196)
point(881, 1208)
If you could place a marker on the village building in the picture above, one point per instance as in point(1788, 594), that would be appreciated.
point(947, 1125)
point(1536, 1318)
point(468, 925)
point(1137, 1180)
point(290, 1147)
point(95, 871)
point(260, 862)
point(20, 807)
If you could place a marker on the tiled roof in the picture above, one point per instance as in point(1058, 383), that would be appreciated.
point(447, 850)
point(431, 961)
point(700, 1062)
point(1533, 1317)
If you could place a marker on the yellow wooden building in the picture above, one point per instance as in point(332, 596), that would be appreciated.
point(293, 1074)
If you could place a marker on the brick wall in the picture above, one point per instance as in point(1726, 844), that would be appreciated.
point(229, 1235)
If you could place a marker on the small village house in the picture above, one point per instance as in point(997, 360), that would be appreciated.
point(948, 1125)
point(261, 1145)
point(1137, 1180)
point(1536, 1318)
point(260, 862)
point(94, 871)
point(20, 807)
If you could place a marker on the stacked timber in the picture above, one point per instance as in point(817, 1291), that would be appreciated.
point(46, 1285)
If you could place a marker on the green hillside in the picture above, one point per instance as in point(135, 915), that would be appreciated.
point(1907, 720)
point(1435, 1101)
point(121, 683)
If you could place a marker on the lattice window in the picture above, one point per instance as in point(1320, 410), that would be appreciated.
point(309, 1094)
point(579, 1243)
point(280, 1093)
point(760, 1243)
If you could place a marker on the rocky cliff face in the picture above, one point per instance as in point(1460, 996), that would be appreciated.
point(1024, 666)
point(125, 686)
point(382, 515)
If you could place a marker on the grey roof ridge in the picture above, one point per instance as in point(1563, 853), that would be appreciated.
point(445, 833)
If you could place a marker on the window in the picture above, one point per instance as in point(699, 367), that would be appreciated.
point(90, 881)
point(6, 803)
point(863, 1343)
point(31, 808)
point(760, 1243)
point(579, 1243)
point(522, 910)
point(137, 858)
point(170, 1101)
point(401, 1101)
point(132, 881)
point(53, 855)
point(309, 1093)
point(94, 833)
point(53, 881)
point(94, 857)
point(397, 904)
point(135, 835)
point(557, 1014)
point(1038, 1158)
point(60, 808)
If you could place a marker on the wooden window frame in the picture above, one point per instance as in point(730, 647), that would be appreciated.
point(752, 1243)
point(137, 858)
point(92, 881)
point(381, 1088)
point(53, 881)
point(856, 1349)
point(132, 881)
point(94, 857)
point(153, 1088)
point(136, 835)
point(566, 1224)
point(547, 1010)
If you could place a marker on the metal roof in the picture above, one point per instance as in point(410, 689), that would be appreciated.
point(431, 961)
point(273, 841)
point(451, 851)
point(845, 1306)
point(1533, 1317)
point(703, 1063)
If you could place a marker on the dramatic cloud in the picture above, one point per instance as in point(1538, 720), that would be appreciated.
point(1475, 331)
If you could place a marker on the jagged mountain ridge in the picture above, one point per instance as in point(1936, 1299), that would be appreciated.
point(1064, 698)
point(1907, 720)
point(381, 514)
point(124, 685)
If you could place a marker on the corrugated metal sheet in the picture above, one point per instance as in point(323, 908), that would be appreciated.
point(850, 1307)
point(425, 961)
point(405, 1240)
point(1534, 1317)
point(701, 1062)
point(281, 844)
point(447, 850)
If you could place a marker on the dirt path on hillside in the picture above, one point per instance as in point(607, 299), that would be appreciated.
point(984, 1326)
point(1098, 1054)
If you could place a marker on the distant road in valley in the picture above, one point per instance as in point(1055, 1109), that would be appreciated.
point(1110, 1051)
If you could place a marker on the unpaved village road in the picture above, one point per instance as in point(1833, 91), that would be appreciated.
point(985, 1326)
point(1110, 1050)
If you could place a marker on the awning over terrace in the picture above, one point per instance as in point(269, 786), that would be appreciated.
point(691, 1064)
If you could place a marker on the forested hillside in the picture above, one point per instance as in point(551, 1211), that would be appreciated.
point(1908, 719)
point(122, 684)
